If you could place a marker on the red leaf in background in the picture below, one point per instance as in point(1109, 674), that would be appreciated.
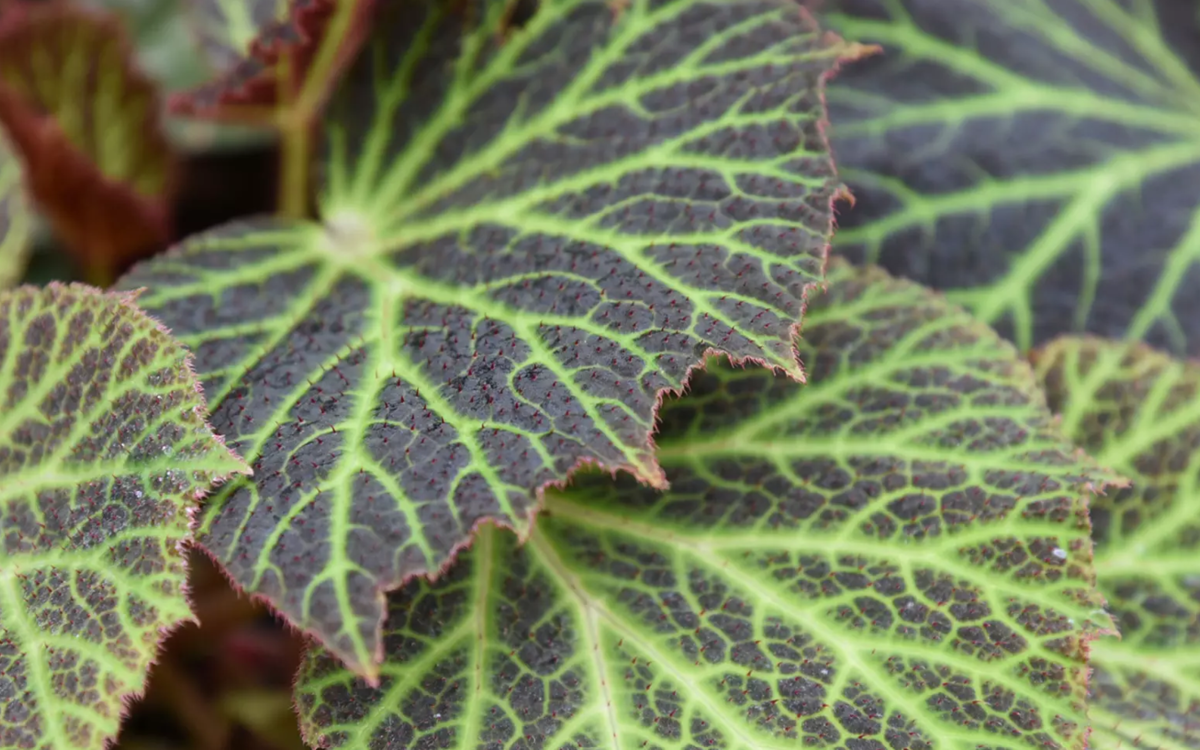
point(283, 66)
point(85, 123)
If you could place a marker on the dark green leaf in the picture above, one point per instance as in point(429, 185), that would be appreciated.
point(1038, 159)
point(1138, 411)
point(104, 454)
point(525, 242)
point(894, 555)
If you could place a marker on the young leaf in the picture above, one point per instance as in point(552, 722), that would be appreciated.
point(526, 241)
point(228, 28)
point(86, 124)
point(894, 555)
point(1138, 411)
point(1039, 160)
point(104, 453)
point(16, 222)
point(272, 55)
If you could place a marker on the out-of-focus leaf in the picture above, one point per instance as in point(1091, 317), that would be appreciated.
point(86, 124)
point(104, 454)
point(1039, 160)
point(229, 29)
point(16, 220)
point(1137, 410)
point(276, 59)
point(163, 39)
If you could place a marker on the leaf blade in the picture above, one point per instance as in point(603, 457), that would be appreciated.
point(1135, 408)
point(1035, 160)
point(102, 469)
point(461, 320)
point(833, 561)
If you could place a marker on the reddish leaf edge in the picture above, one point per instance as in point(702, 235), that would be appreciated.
point(46, 153)
point(1034, 356)
point(248, 91)
point(842, 52)
point(128, 300)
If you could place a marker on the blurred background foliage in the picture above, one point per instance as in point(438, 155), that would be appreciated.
point(226, 170)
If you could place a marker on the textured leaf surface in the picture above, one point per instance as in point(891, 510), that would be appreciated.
point(1039, 159)
point(894, 555)
point(16, 221)
point(104, 453)
point(522, 247)
point(86, 123)
point(1138, 411)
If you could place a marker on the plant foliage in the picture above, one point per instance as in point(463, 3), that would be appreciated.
point(893, 555)
point(104, 453)
point(1138, 411)
point(276, 59)
point(85, 122)
point(542, 454)
point(1038, 159)
point(228, 28)
point(16, 223)
point(523, 244)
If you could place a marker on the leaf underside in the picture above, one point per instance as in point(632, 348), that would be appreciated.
point(16, 219)
point(525, 243)
point(86, 123)
point(1037, 159)
point(1138, 411)
point(895, 555)
point(104, 453)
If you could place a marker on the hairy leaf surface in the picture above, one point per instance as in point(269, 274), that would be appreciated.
point(894, 555)
point(1037, 159)
point(1138, 411)
point(104, 453)
point(86, 123)
point(524, 243)
point(16, 221)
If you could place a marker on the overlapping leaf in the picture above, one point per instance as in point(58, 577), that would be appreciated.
point(86, 123)
point(15, 218)
point(1138, 411)
point(1039, 159)
point(525, 241)
point(104, 452)
point(894, 555)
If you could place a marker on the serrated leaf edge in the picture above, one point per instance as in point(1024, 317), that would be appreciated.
point(830, 44)
point(127, 300)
